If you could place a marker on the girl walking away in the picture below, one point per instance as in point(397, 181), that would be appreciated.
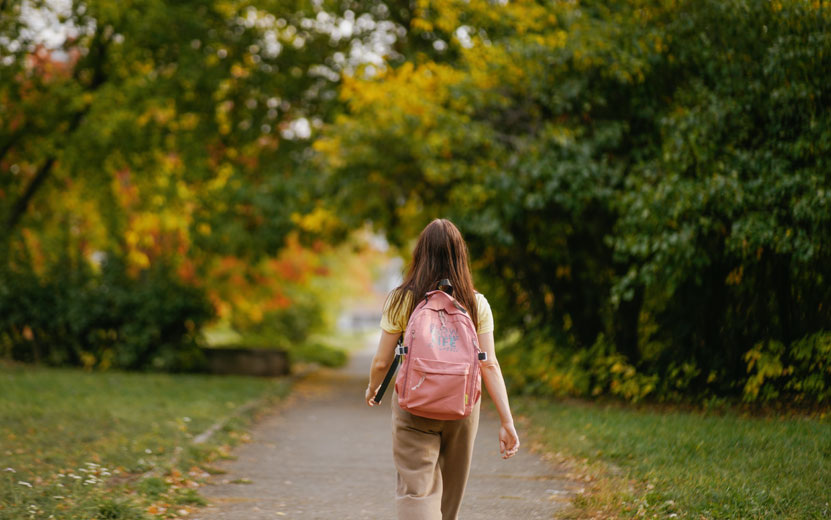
point(434, 424)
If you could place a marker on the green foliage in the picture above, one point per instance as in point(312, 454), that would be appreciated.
point(189, 497)
point(541, 367)
point(107, 319)
point(802, 372)
point(647, 183)
point(168, 133)
point(724, 225)
point(317, 352)
point(152, 487)
point(118, 509)
point(178, 97)
point(292, 329)
point(289, 326)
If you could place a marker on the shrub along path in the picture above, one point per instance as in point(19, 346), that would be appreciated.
point(328, 455)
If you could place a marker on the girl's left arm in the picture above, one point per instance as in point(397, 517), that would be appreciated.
point(495, 383)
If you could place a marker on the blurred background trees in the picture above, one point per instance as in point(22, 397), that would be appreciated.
point(644, 185)
point(162, 141)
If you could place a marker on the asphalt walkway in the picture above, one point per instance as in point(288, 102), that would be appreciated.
point(326, 455)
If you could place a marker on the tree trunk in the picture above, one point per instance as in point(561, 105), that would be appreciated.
point(627, 318)
point(22, 202)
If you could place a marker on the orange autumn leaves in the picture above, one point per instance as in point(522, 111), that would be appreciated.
point(250, 290)
point(236, 286)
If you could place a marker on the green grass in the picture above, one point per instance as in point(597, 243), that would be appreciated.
point(76, 444)
point(688, 464)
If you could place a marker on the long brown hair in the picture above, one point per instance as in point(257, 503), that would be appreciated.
point(440, 253)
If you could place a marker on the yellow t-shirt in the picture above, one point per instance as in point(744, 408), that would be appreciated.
point(397, 323)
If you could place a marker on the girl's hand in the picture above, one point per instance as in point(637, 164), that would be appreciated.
point(508, 440)
point(370, 397)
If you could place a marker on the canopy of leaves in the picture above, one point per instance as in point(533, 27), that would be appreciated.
point(165, 136)
point(649, 179)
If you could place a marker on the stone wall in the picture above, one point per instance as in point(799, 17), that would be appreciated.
point(247, 361)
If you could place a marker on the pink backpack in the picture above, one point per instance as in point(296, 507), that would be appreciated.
point(439, 377)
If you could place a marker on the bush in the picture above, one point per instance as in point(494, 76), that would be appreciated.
point(291, 328)
point(801, 372)
point(317, 353)
point(107, 319)
point(541, 366)
point(286, 327)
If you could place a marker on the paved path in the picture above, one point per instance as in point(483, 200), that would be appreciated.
point(327, 455)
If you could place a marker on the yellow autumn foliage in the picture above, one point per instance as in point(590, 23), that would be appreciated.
point(319, 220)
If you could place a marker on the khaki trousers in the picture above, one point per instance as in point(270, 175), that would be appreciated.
point(432, 458)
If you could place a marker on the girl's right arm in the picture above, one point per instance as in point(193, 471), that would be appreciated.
point(494, 382)
point(380, 364)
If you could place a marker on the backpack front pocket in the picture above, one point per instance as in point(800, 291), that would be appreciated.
point(437, 387)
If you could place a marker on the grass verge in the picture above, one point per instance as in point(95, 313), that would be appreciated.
point(642, 462)
point(115, 445)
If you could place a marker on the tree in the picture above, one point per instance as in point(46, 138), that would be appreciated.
point(648, 176)
point(202, 108)
point(162, 136)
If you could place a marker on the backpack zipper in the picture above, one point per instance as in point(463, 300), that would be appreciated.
point(407, 371)
point(474, 369)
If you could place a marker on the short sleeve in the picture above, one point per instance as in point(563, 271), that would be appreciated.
point(484, 313)
point(398, 322)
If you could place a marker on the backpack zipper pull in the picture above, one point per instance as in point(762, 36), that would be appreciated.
point(419, 383)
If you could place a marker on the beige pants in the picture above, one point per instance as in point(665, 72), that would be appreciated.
point(433, 462)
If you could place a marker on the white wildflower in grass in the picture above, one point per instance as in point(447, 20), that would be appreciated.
point(186, 419)
point(148, 450)
point(11, 470)
point(22, 483)
point(58, 497)
point(34, 510)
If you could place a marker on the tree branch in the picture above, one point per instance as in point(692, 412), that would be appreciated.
point(22, 202)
